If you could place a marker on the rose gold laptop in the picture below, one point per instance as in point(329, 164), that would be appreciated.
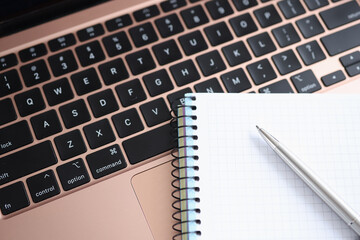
point(86, 88)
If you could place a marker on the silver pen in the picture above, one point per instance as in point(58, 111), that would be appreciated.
point(314, 182)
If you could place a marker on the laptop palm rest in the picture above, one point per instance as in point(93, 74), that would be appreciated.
point(107, 210)
point(153, 190)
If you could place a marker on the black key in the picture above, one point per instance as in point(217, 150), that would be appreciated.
point(286, 62)
point(194, 16)
point(143, 34)
point(6, 106)
point(243, 24)
point(219, 8)
point(116, 44)
point(8, 61)
point(177, 98)
point(342, 41)
point(267, 16)
point(118, 22)
point(146, 13)
point(73, 174)
point(236, 81)
point(218, 33)
point(13, 198)
point(170, 5)
point(341, 15)
point(9, 82)
point(90, 32)
point(261, 44)
point(155, 112)
point(158, 82)
point(35, 73)
point(311, 53)
point(310, 26)
point(193, 43)
point(99, 133)
point(140, 61)
point(291, 8)
point(333, 78)
point(63, 63)
point(210, 63)
point(236, 53)
point(169, 25)
point(130, 92)
point(43, 186)
point(29, 102)
point(85, 81)
point(14, 136)
point(353, 70)
point(286, 35)
point(32, 52)
point(306, 82)
point(261, 71)
point(62, 42)
point(209, 86)
point(103, 103)
point(127, 123)
point(75, 113)
point(46, 124)
point(70, 144)
point(152, 143)
point(242, 5)
point(282, 86)
point(167, 52)
point(315, 4)
point(58, 92)
point(184, 73)
point(26, 161)
point(90, 53)
point(106, 161)
point(113, 71)
point(350, 59)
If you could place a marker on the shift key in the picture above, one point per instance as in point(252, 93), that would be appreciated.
point(14, 136)
point(26, 161)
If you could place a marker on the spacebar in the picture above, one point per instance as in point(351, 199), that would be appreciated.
point(149, 144)
point(342, 40)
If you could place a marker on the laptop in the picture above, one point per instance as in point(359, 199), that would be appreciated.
point(86, 89)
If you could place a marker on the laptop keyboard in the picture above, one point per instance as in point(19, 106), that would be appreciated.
point(62, 127)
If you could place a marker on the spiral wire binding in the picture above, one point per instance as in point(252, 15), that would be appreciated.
point(176, 171)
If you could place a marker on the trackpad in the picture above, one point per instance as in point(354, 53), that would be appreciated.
point(153, 189)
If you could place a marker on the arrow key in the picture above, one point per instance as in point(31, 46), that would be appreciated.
point(350, 59)
point(353, 69)
point(43, 186)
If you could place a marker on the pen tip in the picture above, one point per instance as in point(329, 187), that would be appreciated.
point(257, 127)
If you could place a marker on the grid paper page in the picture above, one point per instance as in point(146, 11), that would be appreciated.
point(247, 192)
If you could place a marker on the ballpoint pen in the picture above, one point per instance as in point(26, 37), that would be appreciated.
point(313, 181)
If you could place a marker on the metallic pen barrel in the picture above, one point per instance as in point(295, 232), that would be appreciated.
point(314, 182)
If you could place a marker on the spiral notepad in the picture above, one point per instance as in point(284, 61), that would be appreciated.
point(231, 185)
